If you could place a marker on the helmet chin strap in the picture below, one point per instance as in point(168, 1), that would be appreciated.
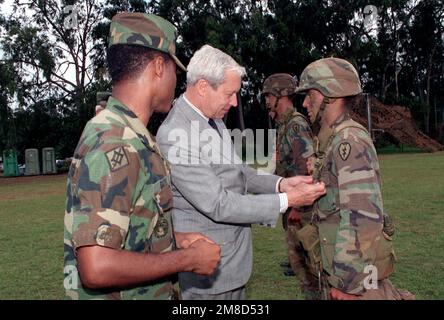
point(316, 126)
point(273, 109)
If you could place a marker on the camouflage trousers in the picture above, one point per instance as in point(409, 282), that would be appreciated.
point(296, 257)
point(386, 291)
point(295, 251)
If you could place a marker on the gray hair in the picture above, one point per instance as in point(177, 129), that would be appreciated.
point(210, 64)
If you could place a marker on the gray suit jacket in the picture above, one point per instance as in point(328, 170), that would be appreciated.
point(211, 197)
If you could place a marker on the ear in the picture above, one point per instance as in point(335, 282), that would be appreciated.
point(202, 87)
point(159, 66)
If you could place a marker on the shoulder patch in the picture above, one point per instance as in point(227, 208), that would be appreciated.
point(296, 128)
point(344, 150)
point(117, 158)
point(161, 228)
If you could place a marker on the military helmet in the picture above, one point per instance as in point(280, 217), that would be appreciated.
point(102, 96)
point(280, 85)
point(333, 77)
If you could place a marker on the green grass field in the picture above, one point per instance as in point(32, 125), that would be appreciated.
point(31, 234)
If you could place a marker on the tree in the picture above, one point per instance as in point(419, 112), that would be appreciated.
point(51, 64)
point(7, 89)
point(425, 58)
point(50, 46)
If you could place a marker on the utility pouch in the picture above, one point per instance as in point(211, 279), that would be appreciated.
point(385, 257)
point(308, 236)
point(328, 232)
point(385, 254)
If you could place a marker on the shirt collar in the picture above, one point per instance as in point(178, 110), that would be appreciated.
point(286, 116)
point(341, 118)
point(131, 120)
point(195, 108)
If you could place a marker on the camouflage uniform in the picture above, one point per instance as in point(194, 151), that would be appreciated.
point(352, 177)
point(353, 230)
point(118, 196)
point(294, 144)
point(118, 191)
point(294, 147)
point(102, 98)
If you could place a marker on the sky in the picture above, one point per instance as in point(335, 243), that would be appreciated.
point(6, 7)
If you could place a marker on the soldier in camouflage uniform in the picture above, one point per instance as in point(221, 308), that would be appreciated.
point(294, 148)
point(119, 241)
point(350, 235)
point(102, 98)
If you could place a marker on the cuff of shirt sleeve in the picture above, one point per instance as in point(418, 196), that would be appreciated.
point(103, 227)
point(283, 202)
point(105, 236)
point(277, 185)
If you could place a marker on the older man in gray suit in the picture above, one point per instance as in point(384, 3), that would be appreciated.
point(212, 189)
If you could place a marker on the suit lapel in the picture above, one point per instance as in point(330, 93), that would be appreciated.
point(199, 124)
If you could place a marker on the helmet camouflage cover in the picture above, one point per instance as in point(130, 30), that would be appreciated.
point(333, 77)
point(280, 85)
point(102, 96)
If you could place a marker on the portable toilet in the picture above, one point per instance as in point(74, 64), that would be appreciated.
point(10, 166)
point(48, 160)
point(32, 162)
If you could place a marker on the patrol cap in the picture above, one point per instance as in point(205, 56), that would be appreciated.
point(146, 30)
point(333, 77)
point(280, 85)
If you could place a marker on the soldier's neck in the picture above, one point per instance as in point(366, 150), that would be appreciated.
point(335, 113)
point(333, 116)
point(140, 104)
point(283, 111)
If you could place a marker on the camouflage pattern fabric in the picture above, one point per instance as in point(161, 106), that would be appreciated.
point(294, 144)
point(118, 196)
point(333, 77)
point(350, 215)
point(386, 291)
point(144, 29)
point(280, 85)
point(102, 96)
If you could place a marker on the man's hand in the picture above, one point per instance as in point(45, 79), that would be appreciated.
point(206, 256)
point(336, 294)
point(185, 239)
point(305, 194)
point(287, 184)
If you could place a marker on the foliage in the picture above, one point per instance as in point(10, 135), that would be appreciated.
point(48, 45)
point(400, 56)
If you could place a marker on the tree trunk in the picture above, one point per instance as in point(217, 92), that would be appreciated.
point(383, 87)
point(427, 121)
point(436, 118)
point(427, 94)
point(396, 84)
